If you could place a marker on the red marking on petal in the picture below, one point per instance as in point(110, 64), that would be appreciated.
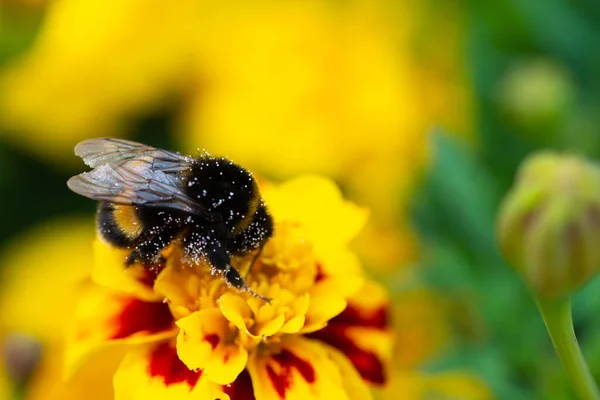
point(149, 275)
point(213, 339)
point(140, 316)
point(367, 363)
point(335, 334)
point(287, 360)
point(320, 275)
point(354, 316)
point(165, 363)
point(280, 383)
point(241, 388)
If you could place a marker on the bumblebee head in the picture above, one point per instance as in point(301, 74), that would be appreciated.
point(226, 190)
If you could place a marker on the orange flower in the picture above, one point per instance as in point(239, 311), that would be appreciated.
point(323, 335)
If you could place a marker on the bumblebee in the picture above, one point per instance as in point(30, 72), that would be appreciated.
point(150, 198)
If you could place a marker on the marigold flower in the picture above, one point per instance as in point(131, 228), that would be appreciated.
point(323, 335)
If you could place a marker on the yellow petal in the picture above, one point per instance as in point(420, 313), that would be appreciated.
point(155, 372)
point(226, 364)
point(362, 333)
point(271, 327)
point(290, 249)
point(267, 311)
point(303, 369)
point(339, 261)
point(181, 285)
point(236, 310)
point(92, 382)
point(301, 304)
point(356, 388)
point(109, 270)
point(293, 325)
point(317, 204)
point(370, 298)
point(324, 306)
point(103, 318)
point(205, 343)
point(195, 342)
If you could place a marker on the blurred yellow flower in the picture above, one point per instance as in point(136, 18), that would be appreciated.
point(30, 266)
point(441, 386)
point(334, 88)
point(93, 66)
point(347, 89)
point(422, 330)
point(37, 292)
point(421, 327)
point(303, 76)
point(324, 334)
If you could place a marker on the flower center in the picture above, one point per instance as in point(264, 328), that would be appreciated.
point(285, 271)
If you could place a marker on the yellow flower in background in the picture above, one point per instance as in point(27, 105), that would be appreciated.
point(41, 273)
point(30, 266)
point(441, 386)
point(324, 333)
point(315, 78)
point(328, 87)
point(347, 89)
point(421, 327)
point(93, 66)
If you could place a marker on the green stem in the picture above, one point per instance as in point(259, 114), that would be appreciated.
point(18, 391)
point(557, 316)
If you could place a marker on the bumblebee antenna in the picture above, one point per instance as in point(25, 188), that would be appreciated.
point(253, 293)
point(258, 253)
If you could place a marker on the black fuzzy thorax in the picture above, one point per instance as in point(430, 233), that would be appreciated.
point(223, 188)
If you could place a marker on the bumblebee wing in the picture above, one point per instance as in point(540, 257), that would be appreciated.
point(99, 151)
point(136, 182)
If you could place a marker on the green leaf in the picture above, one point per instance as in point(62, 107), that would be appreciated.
point(489, 365)
point(458, 200)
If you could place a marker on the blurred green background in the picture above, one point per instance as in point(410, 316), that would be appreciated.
point(420, 110)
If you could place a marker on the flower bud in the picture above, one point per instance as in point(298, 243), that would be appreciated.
point(536, 93)
point(548, 226)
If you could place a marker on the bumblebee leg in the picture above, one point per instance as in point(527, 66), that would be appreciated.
point(132, 258)
point(147, 252)
point(233, 277)
point(220, 261)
